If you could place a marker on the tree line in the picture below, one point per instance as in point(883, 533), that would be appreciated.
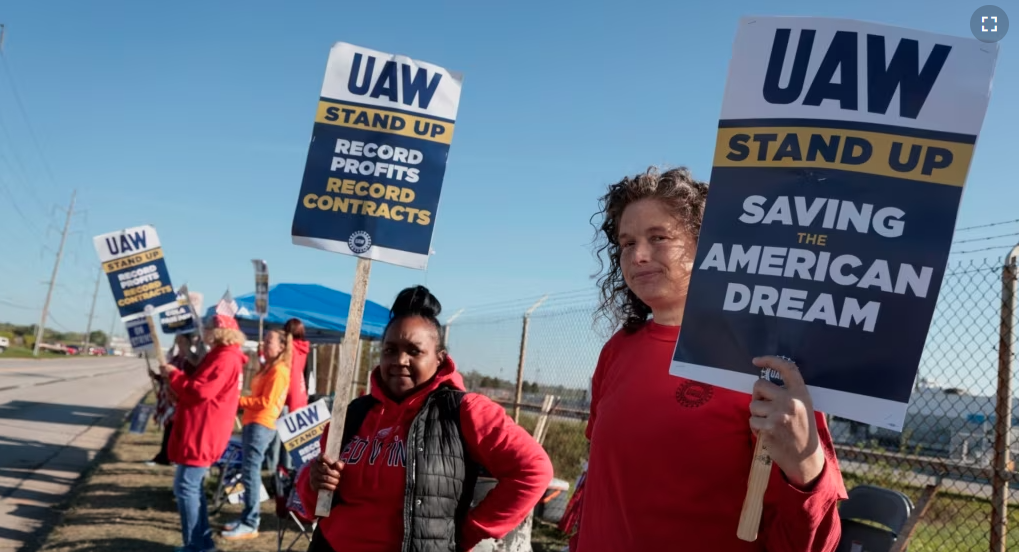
point(24, 336)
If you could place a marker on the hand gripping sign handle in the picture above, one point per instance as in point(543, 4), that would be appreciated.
point(758, 479)
point(345, 375)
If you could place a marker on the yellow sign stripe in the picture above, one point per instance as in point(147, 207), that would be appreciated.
point(380, 120)
point(133, 260)
point(920, 159)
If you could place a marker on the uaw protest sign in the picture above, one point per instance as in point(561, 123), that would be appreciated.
point(377, 159)
point(840, 161)
point(133, 261)
point(301, 431)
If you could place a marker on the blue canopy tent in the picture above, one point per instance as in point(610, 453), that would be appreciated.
point(322, 310)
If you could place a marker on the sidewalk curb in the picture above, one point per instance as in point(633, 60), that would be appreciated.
point(59, 511)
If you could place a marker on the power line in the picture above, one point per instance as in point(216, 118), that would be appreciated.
point(59, 325)
point(7, 303)
point(1014, 221)
point(17, 209)
point(986, 238)
point(24, 173)
point(24, 114)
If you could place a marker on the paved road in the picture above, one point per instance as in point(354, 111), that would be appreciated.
point(55, 415)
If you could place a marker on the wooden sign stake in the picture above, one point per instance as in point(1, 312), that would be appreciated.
point(757, 482)
point(155, 339)
point(345, 375)
point(758, 478)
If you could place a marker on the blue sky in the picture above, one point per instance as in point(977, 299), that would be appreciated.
point(195, 117)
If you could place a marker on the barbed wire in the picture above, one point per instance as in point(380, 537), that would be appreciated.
point(982, 250)
point(1000, 223)
point(986, 238)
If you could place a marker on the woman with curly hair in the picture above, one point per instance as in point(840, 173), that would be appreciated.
point(670, 457)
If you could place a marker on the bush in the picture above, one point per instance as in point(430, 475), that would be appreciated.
point(565, 444)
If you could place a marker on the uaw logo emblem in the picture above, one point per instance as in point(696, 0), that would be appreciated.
point(359, 242)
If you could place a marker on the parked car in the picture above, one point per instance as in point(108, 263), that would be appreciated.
point(4, 344)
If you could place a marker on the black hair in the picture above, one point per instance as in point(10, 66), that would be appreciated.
point(417, 301)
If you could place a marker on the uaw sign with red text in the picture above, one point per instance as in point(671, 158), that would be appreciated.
point(840, 160)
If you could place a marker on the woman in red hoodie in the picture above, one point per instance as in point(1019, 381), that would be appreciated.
point(207, 401)
point(413, 449)
point(670, 457)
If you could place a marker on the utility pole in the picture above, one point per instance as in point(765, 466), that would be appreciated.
point(113, 326)
point(92, 310)
point(53, 278)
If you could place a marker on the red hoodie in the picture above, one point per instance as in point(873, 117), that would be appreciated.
point(297, 393)
point(669, 462)
point(206, 406)
point(371, 516)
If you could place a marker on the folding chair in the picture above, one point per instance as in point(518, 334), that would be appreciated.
point(865, 506)
point(290, 511)
point(229, 467)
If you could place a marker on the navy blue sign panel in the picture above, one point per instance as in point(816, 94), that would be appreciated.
point(179, 319)
point(383, 212)
point(840, 161)
point(139, 285)
point(771, 289)
point(140, 334)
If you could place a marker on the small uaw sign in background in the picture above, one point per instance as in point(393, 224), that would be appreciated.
point(133, 261)
point(180, 319)
point(840, 161)
point(261, 288)
point(300, 431)
point(378, 155)
point(140, 334)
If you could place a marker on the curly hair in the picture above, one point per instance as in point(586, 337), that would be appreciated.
point(226, 336)
point(681, 193)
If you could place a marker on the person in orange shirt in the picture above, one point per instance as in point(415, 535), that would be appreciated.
point(261, 409)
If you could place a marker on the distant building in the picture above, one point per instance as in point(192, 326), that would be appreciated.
point(120, 345)
point(946, 422)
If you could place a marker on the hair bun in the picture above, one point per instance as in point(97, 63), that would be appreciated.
point(416, 301)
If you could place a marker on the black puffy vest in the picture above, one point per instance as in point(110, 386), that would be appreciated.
point(440, 475)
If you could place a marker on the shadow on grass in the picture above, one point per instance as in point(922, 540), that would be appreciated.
point(120, 497)
point(113, 544)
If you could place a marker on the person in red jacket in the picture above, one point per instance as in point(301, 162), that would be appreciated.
point(415, 424)
point(670, 457)
point(207, 401)
point(297, 393)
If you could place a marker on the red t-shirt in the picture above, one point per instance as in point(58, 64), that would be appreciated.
point(670, 458)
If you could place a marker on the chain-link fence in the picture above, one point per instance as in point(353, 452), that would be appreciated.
point(954, 458)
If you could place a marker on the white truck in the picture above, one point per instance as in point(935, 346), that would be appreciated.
point(4, 344)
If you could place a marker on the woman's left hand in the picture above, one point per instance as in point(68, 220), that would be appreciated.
point(785, 418)
point(165, 369)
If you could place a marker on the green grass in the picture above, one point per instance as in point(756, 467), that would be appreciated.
point(564, 442)
point(953, 521)
point(24, 352)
